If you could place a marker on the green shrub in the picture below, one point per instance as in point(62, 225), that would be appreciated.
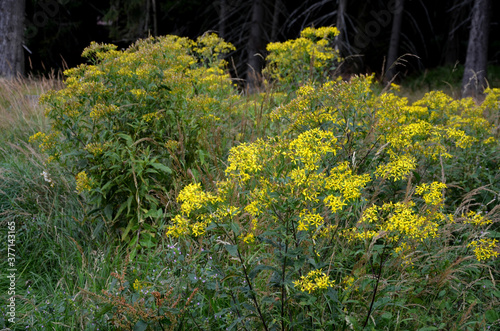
point(338, 220)
point(359, 210)
point(310, 58)
point(136, 122)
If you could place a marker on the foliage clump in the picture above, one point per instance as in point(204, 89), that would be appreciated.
point(356, 209)
point(357, 184)
point(133, 122)
point(312, 57)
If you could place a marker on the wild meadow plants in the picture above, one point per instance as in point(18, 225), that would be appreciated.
point(132, 124)
point(319, 204)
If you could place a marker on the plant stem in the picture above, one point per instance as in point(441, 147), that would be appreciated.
point(251, 290)
point(283, 296)
point(376, 287)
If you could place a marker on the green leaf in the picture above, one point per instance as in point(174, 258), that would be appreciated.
point(162, 167)
point(232, 250)
point(249, 307)
point(491, 316)
point(126, 137)
point(235, 228)
point(108, 212)
point(387, 315)
point(147, 240)
point(140, 326)
point(255, 271)
point(130, 226)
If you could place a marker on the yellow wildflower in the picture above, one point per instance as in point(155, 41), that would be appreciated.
point(314, 281)
point(484, 249)
point(432, 193)
point(83, 182)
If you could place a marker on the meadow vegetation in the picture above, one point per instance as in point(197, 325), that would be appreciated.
point(149, 193)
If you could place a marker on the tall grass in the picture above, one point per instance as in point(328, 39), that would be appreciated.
point(57, 251)
point(20, 113)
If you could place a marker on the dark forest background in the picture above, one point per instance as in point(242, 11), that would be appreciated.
point(431, 33)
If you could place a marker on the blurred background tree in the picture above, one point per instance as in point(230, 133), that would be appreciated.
point(374, 35)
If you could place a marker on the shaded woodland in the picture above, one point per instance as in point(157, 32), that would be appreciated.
point(386, 37)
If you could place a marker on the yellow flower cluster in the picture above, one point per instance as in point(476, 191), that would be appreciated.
point(245, 160)
point(210, 46)
point(179, 227)
point(325, 106)
point(404, 251)
point(137, 285)
point(248, 238)
point(97, 49)
point(259, 201)
point(306, 183)
point(484, 249)
point(193, 198)
point(138, 93)
point(432, 193)
point(343, 180)
point(334, 202)
point(294, 61)
point(92, 72)
point(309, 220)
point(398, 219)
point(321, 32)
point(399, 168)
point(145, 70)
point(314, 281)
point(430, 126)
point(326, 231)
point(403, 220)
point(96, 148)
point(83, 182)
point(149, 116)
point(358, 234)
point(461, 139)
point(476, 219)
point(347, 282)
point(47, 141)
point(311, 146)
point(172, 144)
point(491, 103)
point(100, 110)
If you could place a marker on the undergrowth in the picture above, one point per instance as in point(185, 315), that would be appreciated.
point(154, 196)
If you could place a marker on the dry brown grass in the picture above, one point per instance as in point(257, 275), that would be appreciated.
point(19, 109)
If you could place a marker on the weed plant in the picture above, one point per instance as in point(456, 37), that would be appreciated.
point(319, 204)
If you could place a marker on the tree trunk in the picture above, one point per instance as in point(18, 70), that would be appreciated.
point(255, 42)
point(474, 80)
point(155, 22)
point(392, 55)
point(222, 19)
point(276, 20)
point(341, 26)
point(451, 48)
point(11, 37)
